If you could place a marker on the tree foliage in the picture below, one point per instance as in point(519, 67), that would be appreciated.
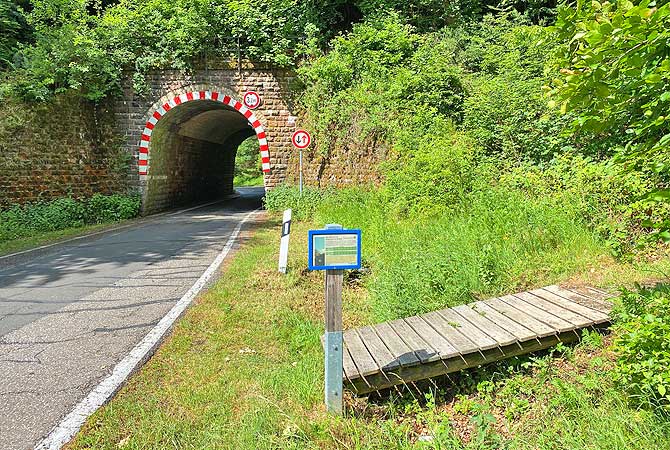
point(13, 31)
point(85, 44)
point(615, 78)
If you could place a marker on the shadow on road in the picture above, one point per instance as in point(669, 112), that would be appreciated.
point(38, 285)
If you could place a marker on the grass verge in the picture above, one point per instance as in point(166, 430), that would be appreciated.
point(243, 369)
point(248, 180)
point(51, 237)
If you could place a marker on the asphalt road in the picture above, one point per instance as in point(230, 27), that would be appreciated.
point(70, 313)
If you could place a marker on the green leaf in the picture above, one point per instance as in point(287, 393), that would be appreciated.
point(659, 195)
point(661, 389)
point(653, 78)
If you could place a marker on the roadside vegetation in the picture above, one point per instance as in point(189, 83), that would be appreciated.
point(22, 226)
point(244, 367)
point(524, 143)
point(248, 168)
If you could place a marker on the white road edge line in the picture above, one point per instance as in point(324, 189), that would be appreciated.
point(108, 230)
point(70, 425)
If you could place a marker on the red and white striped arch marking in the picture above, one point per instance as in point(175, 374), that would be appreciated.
point(202, 95)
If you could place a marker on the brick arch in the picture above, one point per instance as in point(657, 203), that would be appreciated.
point(159, 110)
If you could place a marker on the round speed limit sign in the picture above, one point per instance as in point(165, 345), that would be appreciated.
point(252, 100)
point(301, 139)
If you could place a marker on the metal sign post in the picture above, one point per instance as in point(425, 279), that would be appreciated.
point(334, 249)
point(283, 247)
point(301, 140)
point(333, 341)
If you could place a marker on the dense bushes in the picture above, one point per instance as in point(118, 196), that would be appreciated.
point(643, 346)
point(605, 196)
point(485, 78)
point(15, 31)
point(614, 79)
point(485, 189)
point(27, 220)
point(434, 177)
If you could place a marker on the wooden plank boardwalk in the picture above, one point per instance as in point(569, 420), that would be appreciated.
point(440, 342)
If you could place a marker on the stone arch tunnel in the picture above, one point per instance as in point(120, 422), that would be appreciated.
point(183, 132)
point(188, 147)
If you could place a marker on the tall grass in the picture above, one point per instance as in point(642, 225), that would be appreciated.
point(498, 240)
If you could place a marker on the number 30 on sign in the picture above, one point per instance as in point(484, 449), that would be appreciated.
point(301, 139)
point(252, 100)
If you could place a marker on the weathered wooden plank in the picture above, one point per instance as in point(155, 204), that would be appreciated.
point(422, 349)
point(501, 336)
point(443, 347)
point(482, 340)
point(599, 293)
point(433, 369)
point(553, 319)
point(359, 354)
point(513, 312)
point(384, 358)
point(458, 340)
point(350, 370)
point(521, 332)
point(582, 299)
point(594, 315)
point(400, 350)
point(576, 319)
point(593, 293)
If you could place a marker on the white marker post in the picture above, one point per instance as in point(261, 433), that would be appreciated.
point(334, 249)
point(283, 247)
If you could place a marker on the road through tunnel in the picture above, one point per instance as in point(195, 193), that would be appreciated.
point(188, 149)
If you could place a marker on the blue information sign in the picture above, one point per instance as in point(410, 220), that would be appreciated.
point(334, 249)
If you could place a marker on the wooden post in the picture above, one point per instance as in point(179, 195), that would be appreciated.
point(334, 340)
point(334, 344)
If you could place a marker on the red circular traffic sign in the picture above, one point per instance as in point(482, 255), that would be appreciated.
point(301, 139)
point(252, 100)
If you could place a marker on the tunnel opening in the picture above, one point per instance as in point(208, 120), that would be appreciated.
point(248, 164)
point(189, 150)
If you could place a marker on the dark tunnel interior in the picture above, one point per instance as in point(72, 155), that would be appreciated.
point(192, 154)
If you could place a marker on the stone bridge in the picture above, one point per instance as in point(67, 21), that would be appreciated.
point(184, 131)
point(175, 142)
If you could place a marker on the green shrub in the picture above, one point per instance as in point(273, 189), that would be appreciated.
point(30, 219)
point(606, 197)
point(112, 208)
point(643, 346)
point(508, 118)
point(287, 196)
point(375, 79)
point(248, 170)
point(15, 31)
point(434, 176)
